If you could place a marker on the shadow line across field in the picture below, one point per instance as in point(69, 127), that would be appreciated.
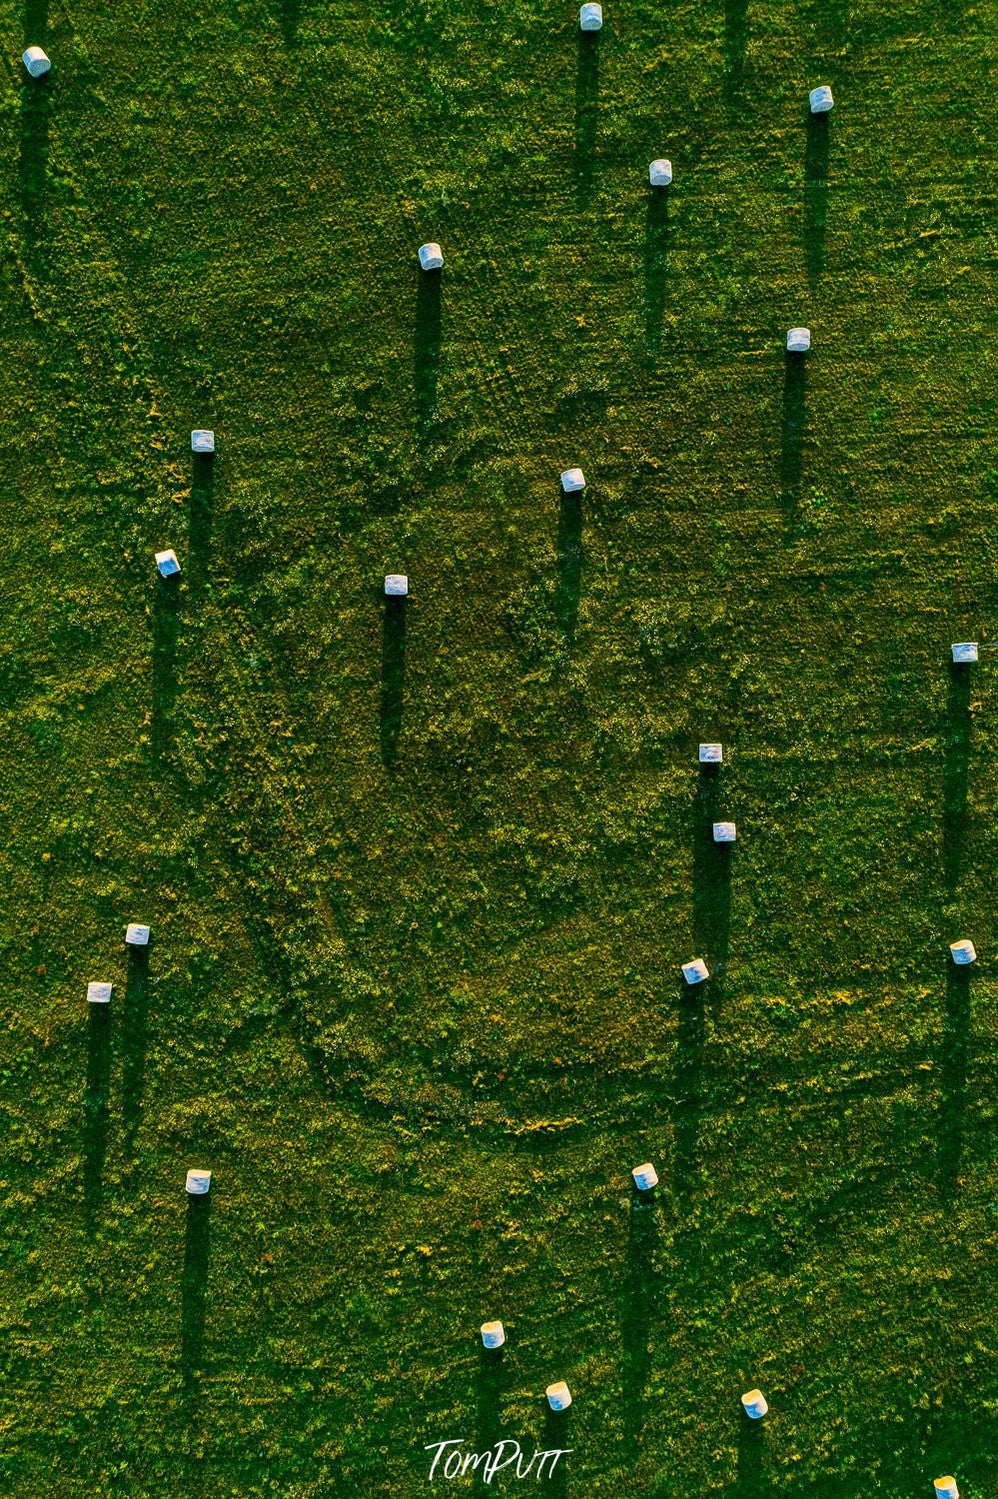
point(96, 1112)
point(638, 1310)
point(956, 775)
point(586, 114)
point(792, 435)
point(392, 678)
point(134, 1044)
point(656, 266)
point(954, 1066)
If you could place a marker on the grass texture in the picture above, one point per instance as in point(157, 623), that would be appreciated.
point(421, 877)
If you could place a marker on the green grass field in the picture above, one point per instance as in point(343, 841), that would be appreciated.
point(421, 879)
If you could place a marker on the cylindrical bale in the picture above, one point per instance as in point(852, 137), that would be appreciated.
point(166, 563)
point(493, 1334)
point(36, 62)
point(431, 257)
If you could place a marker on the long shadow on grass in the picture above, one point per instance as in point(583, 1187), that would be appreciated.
point(815, 194)
point(426, 349)
point(392, 678)
point(134, 1041)
point(636, 1316)
point(557, 1434)
point(96, 1112)
point(792, 437)
point(956, 766)
point(165, 633)
point(656, 268)
point(201, 516)
point(735, 42)
point(290, 17)
point(570, 559)
point(711, 876)
point(194, 1291)
point(586, 114)
point(687, 1094)
point(36, 116)
point(752, 1466)
point(953, 1080)
point(493, 1380)
point(711, 934)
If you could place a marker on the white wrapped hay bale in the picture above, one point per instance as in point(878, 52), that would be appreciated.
point(559, 1396)
point(167, 564)
point(798, 340)
point(645, 1177)
point(695, 971)
point(963, 951)
point(965, 652)
point(572, 480)
point(946, 1488)
point(493, 1334)
point(591, 17)
point(660, 172)
point(137, 935)
point(202, 441)
point(99, 994)
point(198, 1182)
point(725, 832)
point(431, 257)
point(396, 586)
point(36, 62)
point(754, 1404)
point(711, 754)
point(820, 100)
